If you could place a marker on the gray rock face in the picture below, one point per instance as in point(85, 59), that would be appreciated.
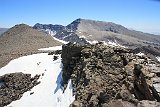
point(55, 28)
point(14, 85)
point(101, 74)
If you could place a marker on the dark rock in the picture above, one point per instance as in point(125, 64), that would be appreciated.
point(31, 93)
point(51, 53)
point(15, 85)
point(101, 74)
point(55, 52)
point(55, 57)
point(137, 69)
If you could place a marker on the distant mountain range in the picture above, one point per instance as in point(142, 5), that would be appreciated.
point(82, 31)
point(2, 30)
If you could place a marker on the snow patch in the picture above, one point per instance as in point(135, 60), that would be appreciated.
point(51, 48)
point(140, 54)
point(114, 43)
point(50, 32)
point(92, 42)
point(64, 42)
point(158, 58)
point(82, 37)
point(109, 43)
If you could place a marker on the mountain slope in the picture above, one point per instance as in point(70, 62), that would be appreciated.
point(92, 30)
point(23, 39)
point(98, 30)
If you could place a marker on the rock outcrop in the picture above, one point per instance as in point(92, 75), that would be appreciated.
point(106, 76)
point(12, 86)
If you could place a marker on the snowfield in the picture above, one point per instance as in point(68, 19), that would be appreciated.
point(49, 93)
point(51, 48)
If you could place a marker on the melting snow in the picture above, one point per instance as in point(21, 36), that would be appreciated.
point(51, 48)
point(82, 37)
point(50, 32)
point(140, 54)
point(110, 43)
point(64, 42)
point(92, 42)
point(49, 92)
point(158, 58)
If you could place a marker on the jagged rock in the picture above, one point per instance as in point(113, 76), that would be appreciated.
point(14, 85)
point(101, 73)
point(69, 51)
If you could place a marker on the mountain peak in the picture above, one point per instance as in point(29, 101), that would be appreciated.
point(22, 25)
point(92, 30)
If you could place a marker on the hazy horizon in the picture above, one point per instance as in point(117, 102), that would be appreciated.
point(140, 15)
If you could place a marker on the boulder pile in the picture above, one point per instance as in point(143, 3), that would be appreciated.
point(12, 86)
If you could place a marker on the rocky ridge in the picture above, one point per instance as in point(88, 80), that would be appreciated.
point(106, 76)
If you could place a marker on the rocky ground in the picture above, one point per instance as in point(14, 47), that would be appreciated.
point(106, 76)
point(12, 86)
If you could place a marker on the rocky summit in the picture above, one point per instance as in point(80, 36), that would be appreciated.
point(106, 76)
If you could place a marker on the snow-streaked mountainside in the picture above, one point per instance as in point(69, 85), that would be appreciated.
point(49, 93)
point(81, 30)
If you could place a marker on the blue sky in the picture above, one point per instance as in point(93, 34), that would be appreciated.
point(142, 15)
